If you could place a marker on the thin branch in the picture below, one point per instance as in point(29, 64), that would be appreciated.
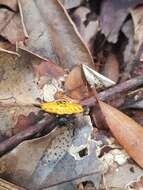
point(118, 89)
point(13, 141)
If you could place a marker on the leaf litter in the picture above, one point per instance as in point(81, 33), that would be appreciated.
point(42, 51)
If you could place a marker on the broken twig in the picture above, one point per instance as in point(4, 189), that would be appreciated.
point(120, 88)
point(13, 141)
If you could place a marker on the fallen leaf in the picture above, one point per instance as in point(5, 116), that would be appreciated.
point(5, 185)
point(137, 14)
point(5, 17)
point(111, 68)
point(11, 4)
point(13, 31)
point(89, 31)
point(126, 130)
point(95, 79)
point(136, 184)
point(9, 115)
point(75, 84)
point(20, 88)
point(120, 177)
point(24, 122)
point(18, 79)
point(56, 29)
point(69, 4)
point(129, 52)
point(79, 17)
point(111, 19)
point(6, 45)
point(74, 79)
point(137, 115)
point(53, 159)
point(128, 31)
point(48, 68)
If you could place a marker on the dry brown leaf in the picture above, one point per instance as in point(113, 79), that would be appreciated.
point(17, 79)
point(55, 159)
point(74, 79)
point(126, 130)
point(20, 88)
point(128, 31)
point(6, 45)
point(136, 184)
point(5, 17)
point(79, 17)
point(5, 185)
point(137, 15)
point(87, 32)
point(20, 166)
point(111, 68)
point(111, 19)
point(48, 68)
point(54, 35)
point(119, 178)
point(12, 4)
point(75, 85)
point(13, 31)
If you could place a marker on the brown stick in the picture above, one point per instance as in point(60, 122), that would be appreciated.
point(120, 88)
point(13, 141)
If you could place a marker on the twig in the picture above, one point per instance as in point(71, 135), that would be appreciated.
point(120, 88)
point(22, 20)
point(13, 141)
point(104, 182)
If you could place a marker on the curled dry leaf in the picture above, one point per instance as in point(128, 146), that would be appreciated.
point(111, 68)
point(63, 44)
point(137, 14)
point(111, 19)
point(11, 4)
point(75, 84)
point(74, 79)
point(13, 31)
point(95, 79)
point(87, 32)
point(126, 130)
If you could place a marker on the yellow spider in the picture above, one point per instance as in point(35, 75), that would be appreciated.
point(62, 107)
